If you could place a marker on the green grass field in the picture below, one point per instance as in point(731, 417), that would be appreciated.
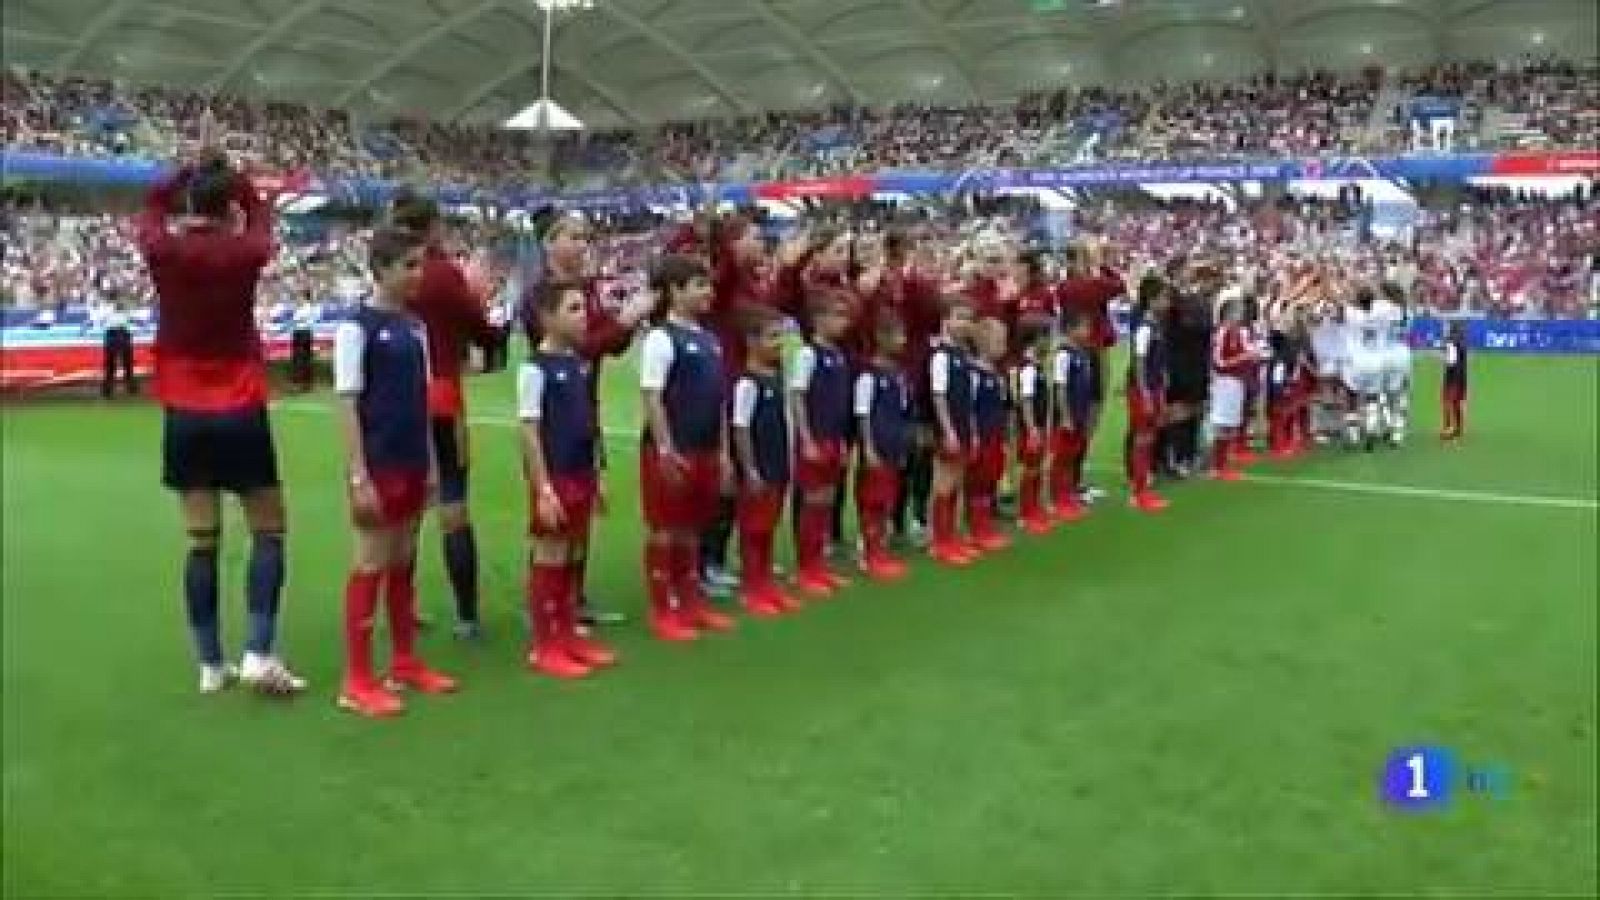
point(1193, 703)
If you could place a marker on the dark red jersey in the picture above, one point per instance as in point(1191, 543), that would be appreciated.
point(208, 355)
point(1091, 296)
point(454, 316)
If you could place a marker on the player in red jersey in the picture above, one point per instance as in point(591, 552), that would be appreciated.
point(915, 265)
point(738, 290)
point(608, 331)
point(1088, 290)
point(211, 381)
point(1233, 360)
point(454, 315)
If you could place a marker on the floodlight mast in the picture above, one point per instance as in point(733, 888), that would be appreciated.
point(550, 8)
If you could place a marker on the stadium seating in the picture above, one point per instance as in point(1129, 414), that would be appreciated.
point(1267, 116)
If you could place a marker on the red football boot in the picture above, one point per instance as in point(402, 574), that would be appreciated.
point(759, 604)
point(590, 652)
point(1226, 475)
point(669, 625)
point(703, 615)
point(553, 659)
point(1148, 501)
point(814, 583)
point(1070, 510)
point(1037, 524)
point(950, 553)
point(367, 698)
point(415, 675)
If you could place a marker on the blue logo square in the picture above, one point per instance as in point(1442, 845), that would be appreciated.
point(1417, 779)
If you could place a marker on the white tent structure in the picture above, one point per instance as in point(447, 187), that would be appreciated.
point(625, 62)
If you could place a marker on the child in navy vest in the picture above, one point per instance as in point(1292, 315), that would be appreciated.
point(990, 406)
point(819, 392)
point(1075, 396)
point(1033, 419)
point(684, 461)
point(558, 449)
point(1147, 388)
point(950, 386)
point(762, 460)
point(381, 376)
point(883, 414)
point(1454, 393)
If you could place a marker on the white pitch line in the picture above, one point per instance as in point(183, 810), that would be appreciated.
point(1349, 487)
point(1404, 490)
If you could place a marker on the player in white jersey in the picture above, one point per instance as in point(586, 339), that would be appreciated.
point(1396, 361)
point(1365, 339)
point(1329, 350)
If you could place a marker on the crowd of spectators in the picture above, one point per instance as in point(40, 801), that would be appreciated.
point(1529, 104)
point(1497, 253)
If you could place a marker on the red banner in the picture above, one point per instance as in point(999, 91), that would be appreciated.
point(1546, 164)
point(848, 187)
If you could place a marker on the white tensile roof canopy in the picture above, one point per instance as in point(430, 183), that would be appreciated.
point(625, 62)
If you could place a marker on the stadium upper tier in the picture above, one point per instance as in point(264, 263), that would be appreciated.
point(1444, 108)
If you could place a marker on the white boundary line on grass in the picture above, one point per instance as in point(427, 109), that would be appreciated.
point(1403, 490)
point(1349, 487)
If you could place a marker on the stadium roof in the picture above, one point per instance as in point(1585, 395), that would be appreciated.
point(627, 61)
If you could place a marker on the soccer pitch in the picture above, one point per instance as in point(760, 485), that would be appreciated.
point(1195, 702)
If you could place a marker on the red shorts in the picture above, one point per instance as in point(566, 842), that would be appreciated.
point(1143, 414)
point(826, 472)
point(758, 512)
point(961, 457)
point(877, 489)
point(689, 502)
point(1030, 453)
point(402, 496)
point(1066, 444)
point(988, 464)
point(577, 494)
point(1453, 394)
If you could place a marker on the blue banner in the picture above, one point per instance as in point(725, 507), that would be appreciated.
point(1529, 336)
point(375, 192)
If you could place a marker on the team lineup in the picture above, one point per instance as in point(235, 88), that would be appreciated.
point(929, 379)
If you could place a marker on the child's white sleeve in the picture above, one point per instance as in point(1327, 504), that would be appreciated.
point(1450, 354)
point(745, 394)
point(349, 358)
point(805, 365)
point(1028, 382)
point(1063, 367)
point(655, 360)
point(939, 372)
point(530, 392)
point(866, 386)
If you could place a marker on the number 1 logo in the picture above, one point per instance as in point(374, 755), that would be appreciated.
point(1417, 778)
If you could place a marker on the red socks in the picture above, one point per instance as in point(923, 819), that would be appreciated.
point(1028, 507)
point(755, 561)
point(360, 605)
point(658, 561)
point(944, 519)
point(401, 600)
point(547, 583)
point(1139, 464)
point(1220, 449)
point(812, 540)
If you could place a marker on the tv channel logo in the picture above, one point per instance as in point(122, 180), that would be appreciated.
point(1424, 778)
